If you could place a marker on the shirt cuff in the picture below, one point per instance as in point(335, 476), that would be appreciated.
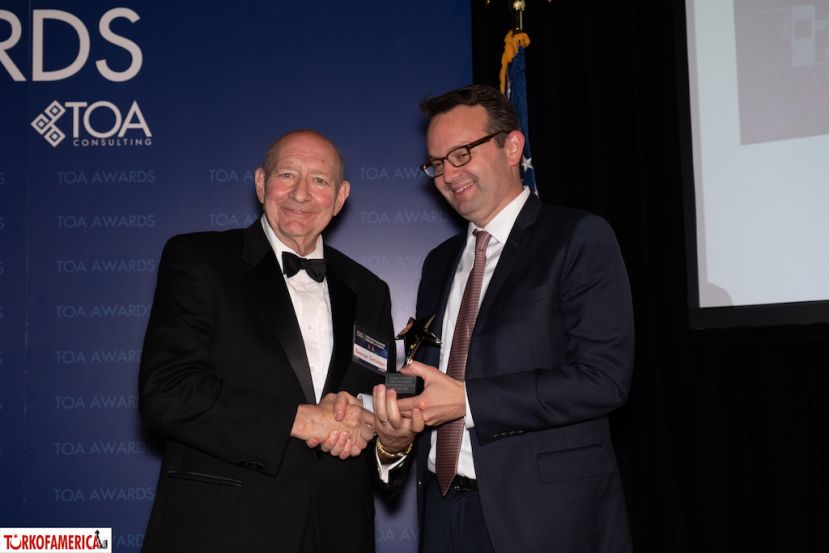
point(467, 419)
point(384, 470)
point(367, 400)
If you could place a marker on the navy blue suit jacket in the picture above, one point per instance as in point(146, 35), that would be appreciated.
point(551, 356)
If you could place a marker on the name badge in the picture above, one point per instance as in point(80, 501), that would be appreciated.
point(369, 351)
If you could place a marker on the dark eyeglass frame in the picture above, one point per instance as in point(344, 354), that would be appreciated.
point(432, 172)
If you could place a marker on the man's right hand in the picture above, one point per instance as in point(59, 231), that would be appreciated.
point(343, 432)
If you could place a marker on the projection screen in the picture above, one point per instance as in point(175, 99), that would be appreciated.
point(757, 161)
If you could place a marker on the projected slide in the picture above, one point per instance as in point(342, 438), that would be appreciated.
point(782, 69)
point(759, 99)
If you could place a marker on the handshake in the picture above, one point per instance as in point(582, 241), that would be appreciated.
point(341, 426)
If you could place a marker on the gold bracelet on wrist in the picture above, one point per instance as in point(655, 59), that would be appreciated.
point(392, 456)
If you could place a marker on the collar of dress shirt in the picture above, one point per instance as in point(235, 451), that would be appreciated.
point(501, 225)
point(279, 247)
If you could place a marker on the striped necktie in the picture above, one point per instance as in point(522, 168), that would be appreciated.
point(451, 433)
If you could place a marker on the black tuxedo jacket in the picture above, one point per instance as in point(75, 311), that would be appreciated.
point(551, 355)
point(222, 373)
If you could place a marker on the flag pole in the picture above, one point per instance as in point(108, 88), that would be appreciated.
point(518, 14)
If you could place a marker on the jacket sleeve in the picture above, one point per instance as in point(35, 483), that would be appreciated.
point(181, 394)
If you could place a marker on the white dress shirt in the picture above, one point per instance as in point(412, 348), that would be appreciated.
point(312, 306)
point(499, 227)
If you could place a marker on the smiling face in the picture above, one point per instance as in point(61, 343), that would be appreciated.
point(300, 191)
point(491, 179)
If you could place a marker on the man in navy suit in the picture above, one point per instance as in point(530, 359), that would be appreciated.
point(547, 357)
point(252, 336)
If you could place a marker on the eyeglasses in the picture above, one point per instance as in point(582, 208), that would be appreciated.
point(458, 157)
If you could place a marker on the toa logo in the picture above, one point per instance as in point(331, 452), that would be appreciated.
point(102, 124)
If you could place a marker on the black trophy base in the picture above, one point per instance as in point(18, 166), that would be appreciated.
point(405, 385)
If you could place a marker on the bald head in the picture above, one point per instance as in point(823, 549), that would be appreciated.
point(272, 155)
point(301, 188)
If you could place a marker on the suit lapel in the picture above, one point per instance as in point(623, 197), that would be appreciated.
point(343, 303)
point(516, 241)
point(270, 296)
point(442, 281)
point(439, 287)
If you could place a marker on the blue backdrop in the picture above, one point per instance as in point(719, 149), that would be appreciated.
point(123, 123)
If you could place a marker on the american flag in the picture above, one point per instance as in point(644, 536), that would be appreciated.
point(514, 85)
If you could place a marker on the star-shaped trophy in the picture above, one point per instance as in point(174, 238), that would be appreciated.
point(413, 335)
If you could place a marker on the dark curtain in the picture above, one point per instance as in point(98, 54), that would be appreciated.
point(723, 443)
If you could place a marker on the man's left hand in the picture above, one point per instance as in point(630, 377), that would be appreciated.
point(442, 400)
point(394, 431)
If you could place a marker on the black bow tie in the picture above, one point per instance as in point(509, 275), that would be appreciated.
point(292, 263)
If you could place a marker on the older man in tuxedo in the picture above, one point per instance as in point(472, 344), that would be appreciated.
point(252, 337)
point(533, 307)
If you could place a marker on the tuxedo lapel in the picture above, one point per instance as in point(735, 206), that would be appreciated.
point(271, 299)
point(511, 253)
point(342, 321)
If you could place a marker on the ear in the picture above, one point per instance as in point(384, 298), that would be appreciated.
point(514, 147)
point(342, 194)
point(260, 185)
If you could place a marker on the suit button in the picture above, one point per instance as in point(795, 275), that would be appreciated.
point(251, 464)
